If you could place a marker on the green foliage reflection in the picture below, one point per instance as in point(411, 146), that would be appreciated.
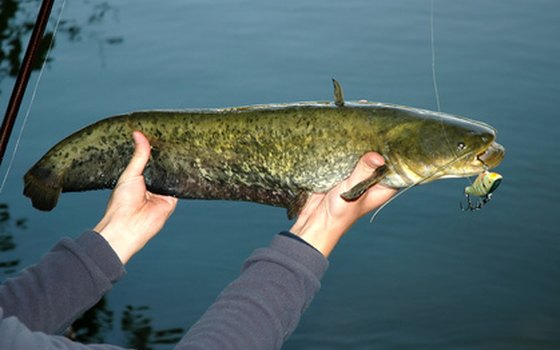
point(16, 23)
point(8, 261)
point(136, 326)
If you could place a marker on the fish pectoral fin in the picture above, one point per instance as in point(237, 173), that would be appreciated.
point(338, 94)
point(358, 190)
point(296, 205)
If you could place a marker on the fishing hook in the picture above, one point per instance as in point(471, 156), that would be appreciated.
point(475, 205)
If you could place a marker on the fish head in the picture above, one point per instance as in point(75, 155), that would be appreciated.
point(445, 146)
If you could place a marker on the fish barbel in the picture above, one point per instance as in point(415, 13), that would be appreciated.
point(275, 154)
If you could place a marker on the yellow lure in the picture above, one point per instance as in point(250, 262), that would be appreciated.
point(484, 184)
point(482, 187)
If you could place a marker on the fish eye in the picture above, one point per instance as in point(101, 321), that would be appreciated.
point(461, 146)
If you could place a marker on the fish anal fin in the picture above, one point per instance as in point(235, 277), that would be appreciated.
point(296, 205)
point(358, 190)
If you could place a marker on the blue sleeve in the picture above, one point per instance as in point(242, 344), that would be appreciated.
point(263, 306)
point(68, 280)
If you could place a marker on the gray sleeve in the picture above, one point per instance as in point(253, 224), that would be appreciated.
point(259, 310)
point(263, 306)
point(14, 335)
point(68, 280)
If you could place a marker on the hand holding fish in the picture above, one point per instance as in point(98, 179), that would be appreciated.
point(134, 215)
point(327, 216)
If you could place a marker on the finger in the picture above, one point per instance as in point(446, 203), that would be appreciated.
point(139, 158)
point(366, 166)
point(170, 200)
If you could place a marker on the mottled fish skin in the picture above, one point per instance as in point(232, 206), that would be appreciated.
point(270, 154)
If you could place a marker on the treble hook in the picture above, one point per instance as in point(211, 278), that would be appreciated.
point(475, 205)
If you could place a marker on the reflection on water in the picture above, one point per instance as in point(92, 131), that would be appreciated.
point(16, 23)
point(140, 333)
point(93, 324)
point(8, 263)
point(138, 329)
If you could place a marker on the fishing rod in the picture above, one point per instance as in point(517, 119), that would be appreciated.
point(23, 75)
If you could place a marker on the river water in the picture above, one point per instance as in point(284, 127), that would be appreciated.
point(424, 275)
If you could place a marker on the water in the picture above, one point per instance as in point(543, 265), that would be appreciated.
point(425, 275)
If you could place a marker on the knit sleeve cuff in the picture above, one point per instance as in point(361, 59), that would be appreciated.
point(99, 250)
point(299, 250)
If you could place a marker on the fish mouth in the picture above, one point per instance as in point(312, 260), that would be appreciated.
point(492, 156)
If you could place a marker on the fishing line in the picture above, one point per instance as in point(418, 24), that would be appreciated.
point(434, 81)
point(434, 78)
point(32, 99)
point(438, 103)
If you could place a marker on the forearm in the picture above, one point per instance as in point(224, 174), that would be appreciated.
point(16, 336)
point(68, 280)
point(262, 307)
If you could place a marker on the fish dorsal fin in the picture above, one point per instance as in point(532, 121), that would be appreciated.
point(338, 94)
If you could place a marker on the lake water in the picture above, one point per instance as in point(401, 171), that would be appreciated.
point(424, 275)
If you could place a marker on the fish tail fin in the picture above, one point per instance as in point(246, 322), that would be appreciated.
point(43, 193)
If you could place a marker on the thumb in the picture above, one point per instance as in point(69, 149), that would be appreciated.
point(139, 158)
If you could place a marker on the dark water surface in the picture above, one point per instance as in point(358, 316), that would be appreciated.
point(425, 275)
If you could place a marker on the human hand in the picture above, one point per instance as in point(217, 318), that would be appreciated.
point(327, 216)
point(134, 215)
